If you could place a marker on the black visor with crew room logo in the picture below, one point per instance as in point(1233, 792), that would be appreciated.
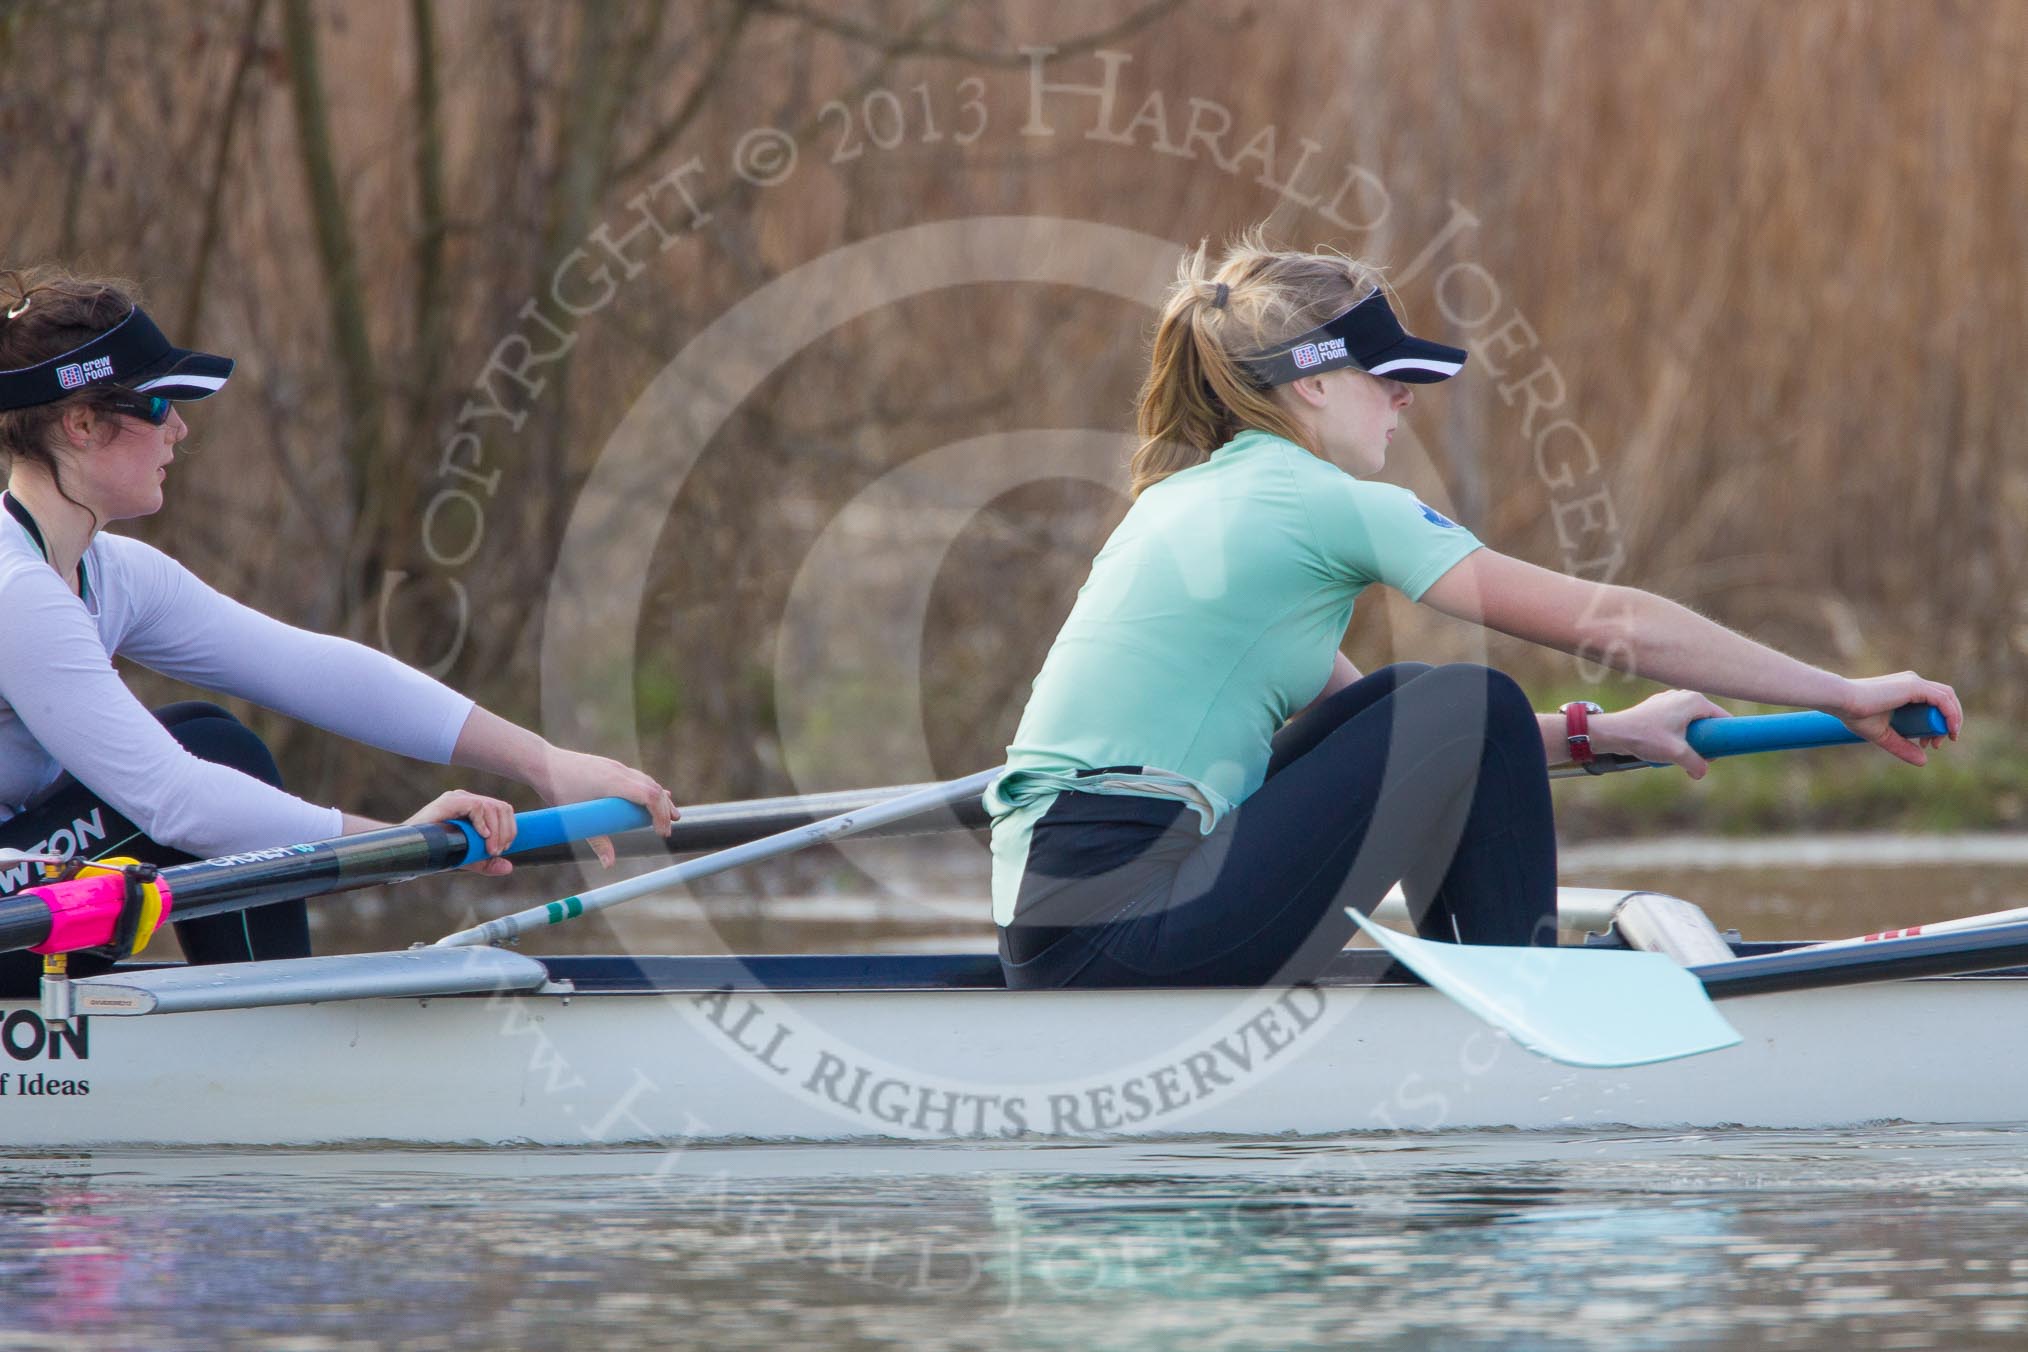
point(1367, 337)
point(132, 355)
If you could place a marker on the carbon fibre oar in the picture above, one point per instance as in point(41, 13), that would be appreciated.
point(1959, 925)
point(1806, 967)
point(927, 798)
point(65, 917)
point(719, 826)
point(237, 882)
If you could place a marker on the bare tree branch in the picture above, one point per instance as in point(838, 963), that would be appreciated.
point(344, 295)
point(221, 160)
point(584, 165)
point(641, 47)
point(715, 67)
point(431, 312)
point(740, 188)
point(88, 139)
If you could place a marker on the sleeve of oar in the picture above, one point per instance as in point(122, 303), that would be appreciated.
point(56, 675)
point(196, 634)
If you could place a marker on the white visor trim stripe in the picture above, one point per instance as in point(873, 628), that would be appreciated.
point(201, 382)
point(1449, 368)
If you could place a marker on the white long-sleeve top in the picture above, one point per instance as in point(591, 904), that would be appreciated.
point(63, 706)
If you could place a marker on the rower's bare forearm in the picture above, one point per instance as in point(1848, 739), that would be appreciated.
point(490, 743)
point(1657, 639)
point(1555, 738)
point(1629, 630)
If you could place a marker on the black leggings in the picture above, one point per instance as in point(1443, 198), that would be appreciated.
point(281, 930)
point(1434, 777)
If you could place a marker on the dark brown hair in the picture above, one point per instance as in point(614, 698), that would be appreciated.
point(46, 312)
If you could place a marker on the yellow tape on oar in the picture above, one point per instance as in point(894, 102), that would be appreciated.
point(145, 907)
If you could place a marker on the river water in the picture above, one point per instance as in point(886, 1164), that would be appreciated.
point(1886, 1236)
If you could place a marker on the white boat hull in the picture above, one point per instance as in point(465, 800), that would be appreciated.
point(700, 1066)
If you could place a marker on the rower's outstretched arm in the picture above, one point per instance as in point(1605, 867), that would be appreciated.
point(1657, 639)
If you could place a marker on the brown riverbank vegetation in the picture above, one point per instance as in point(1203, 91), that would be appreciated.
point(1745, 286)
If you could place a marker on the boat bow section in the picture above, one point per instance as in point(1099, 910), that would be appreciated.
point(297, 981)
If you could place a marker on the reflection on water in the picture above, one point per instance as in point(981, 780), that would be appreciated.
point(1892, 1236)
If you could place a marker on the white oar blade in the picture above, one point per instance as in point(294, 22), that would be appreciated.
point(1581, 1006)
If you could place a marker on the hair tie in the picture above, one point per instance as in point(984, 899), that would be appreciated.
point(1224, 293)
point(18, 309)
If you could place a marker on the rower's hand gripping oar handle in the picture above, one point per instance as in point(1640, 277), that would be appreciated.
point(550, 826)
point(85, 912)
point(1715, 737)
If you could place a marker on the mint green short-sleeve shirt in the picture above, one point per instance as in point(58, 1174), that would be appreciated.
point(1211, 615)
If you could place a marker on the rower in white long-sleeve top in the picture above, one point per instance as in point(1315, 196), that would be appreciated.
point(88, 419)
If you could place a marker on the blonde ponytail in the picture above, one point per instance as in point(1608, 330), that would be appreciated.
point(1197, 395)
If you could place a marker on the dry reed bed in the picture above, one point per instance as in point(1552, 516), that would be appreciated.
point(1773, 252)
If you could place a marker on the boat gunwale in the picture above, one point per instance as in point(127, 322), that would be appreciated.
point(619, 974)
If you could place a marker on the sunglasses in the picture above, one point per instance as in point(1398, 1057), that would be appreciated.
point(150, 408)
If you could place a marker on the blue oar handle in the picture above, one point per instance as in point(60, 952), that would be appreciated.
point(1710, 737)
point(561, 825)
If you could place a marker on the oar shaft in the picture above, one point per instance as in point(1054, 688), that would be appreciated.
point(718, 826)
point(1809, 967)
point(211, 887)
point(288, 872)
point(258, 877)
point(1957, 926)
point(24, 923)
point(928, 798)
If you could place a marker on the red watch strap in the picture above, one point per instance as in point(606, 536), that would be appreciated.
point(1577, 732)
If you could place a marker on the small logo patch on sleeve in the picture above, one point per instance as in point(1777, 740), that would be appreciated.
point(1434, 517)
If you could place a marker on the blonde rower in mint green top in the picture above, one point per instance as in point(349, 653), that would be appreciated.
point(1210, 617)
point(1202, 790)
